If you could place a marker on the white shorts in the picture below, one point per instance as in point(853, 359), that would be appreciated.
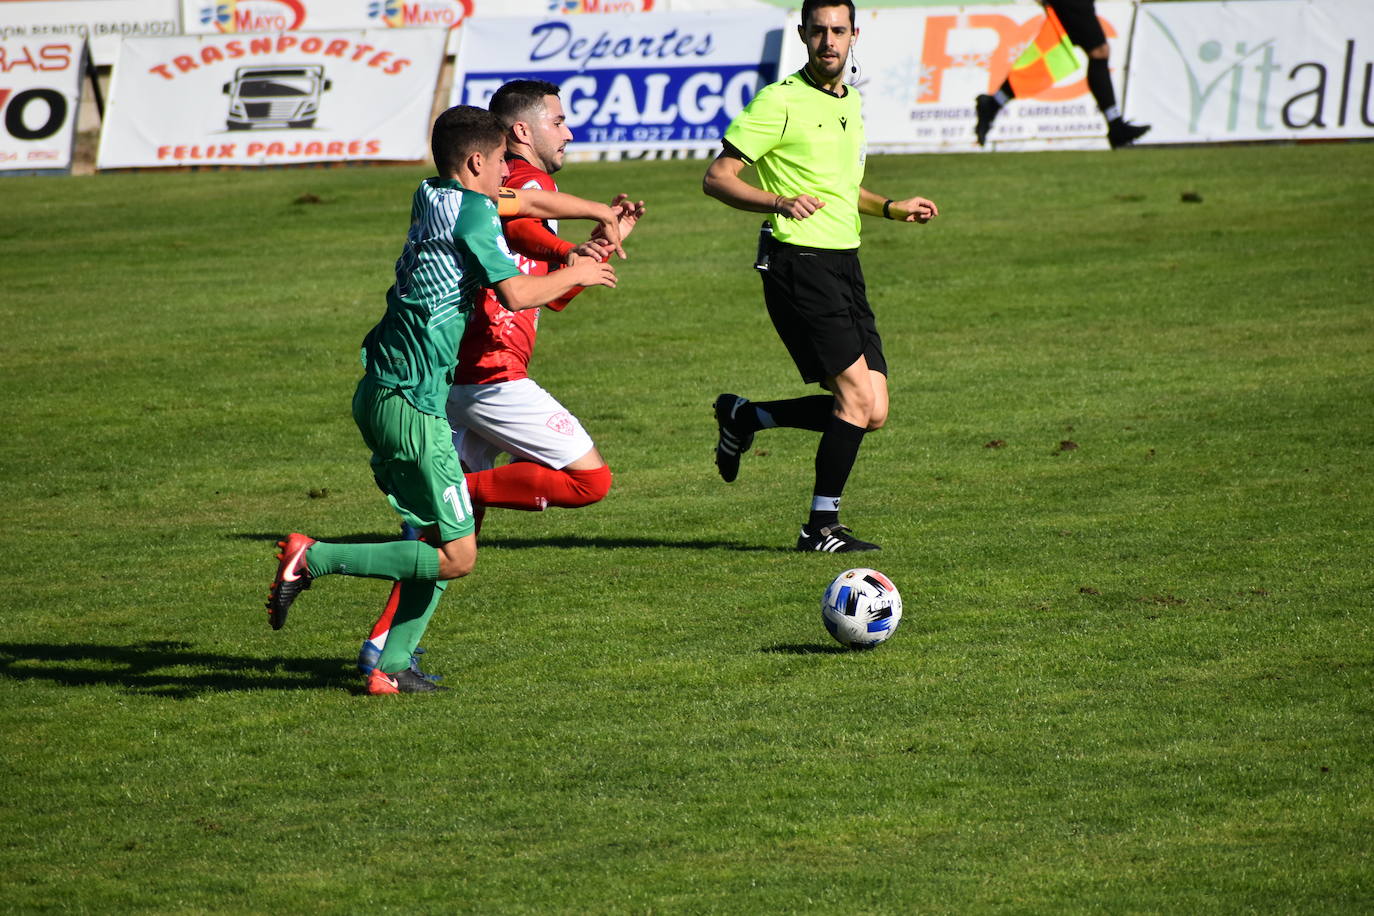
point(517, 417)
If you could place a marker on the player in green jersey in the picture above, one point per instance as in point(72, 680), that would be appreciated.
point(453, 250)
point(805, 137)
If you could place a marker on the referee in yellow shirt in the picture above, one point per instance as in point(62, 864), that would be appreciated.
point(805, 137)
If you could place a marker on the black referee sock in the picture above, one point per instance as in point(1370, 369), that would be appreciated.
point(1100, 82)
point(812, 412)
point(835, 457)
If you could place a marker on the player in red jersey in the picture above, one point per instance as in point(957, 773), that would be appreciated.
point(494, 406)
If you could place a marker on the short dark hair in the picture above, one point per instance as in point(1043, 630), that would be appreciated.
point(460, 132)
point(810, 6)
point(513, 101)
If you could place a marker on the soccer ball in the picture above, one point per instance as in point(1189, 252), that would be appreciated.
point(861, 608)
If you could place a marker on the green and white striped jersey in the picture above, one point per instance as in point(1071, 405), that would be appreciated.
point(453, 250)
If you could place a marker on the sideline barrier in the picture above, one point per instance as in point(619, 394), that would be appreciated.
point(293, 97)
point(657, 82)
point(919, 70)
point(1199, 72)
point(1210, 72)
point(40, 93)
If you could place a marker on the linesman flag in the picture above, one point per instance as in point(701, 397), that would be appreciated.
point(1045, 61)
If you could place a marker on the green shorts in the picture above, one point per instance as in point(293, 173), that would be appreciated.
point(413, 460)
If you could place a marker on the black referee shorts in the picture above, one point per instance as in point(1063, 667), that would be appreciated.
point(819, 306)
point(1079, 18)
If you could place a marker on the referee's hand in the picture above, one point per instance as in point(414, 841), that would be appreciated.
point(915, 210)
point(799, 207)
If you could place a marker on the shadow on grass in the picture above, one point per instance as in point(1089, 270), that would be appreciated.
point(151, 668)
point(809, 649)
point(497, 542)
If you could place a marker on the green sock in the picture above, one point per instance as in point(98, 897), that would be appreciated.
point(394, 560)
point(416, 607)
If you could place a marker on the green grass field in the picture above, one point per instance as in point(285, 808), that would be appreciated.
point(1125, 490)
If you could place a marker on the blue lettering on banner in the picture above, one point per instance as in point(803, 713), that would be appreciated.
point(650, 105)
point(556, 41)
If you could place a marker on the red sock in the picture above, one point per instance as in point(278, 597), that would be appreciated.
point(534, 487)
point(383, 624)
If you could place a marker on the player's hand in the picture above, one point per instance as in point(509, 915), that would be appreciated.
point(597, 249)
point(586, 272)
point(799, 207)
point(608, 229)
point(630, 213)
point(914, 210)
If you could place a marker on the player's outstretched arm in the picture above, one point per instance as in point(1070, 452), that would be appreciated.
point(910, 210)
point(558, 205)
point(723, 182)
point(523, 292)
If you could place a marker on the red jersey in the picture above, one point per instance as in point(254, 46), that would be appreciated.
point(498, 343)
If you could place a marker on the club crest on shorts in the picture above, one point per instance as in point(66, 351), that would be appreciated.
point(561, 423)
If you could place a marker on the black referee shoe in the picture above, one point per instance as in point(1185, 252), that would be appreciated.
point(1123, 133)
point(732, 443)
point(834, 538)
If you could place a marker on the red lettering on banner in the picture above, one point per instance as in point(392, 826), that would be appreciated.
point(413, 14)
point(55, 57)
point(210, 54)
point(179, 153)
point(49, 57)
point(298, 150)
point(4, 96)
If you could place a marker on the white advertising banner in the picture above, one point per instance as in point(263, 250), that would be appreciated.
point(661, 81)
point(221, 16)
point(40, 87)
point(919, 70)
point(1258, 70)
point(276, 99)
point(101, 22)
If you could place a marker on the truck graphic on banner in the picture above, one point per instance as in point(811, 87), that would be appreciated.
point(275, 96)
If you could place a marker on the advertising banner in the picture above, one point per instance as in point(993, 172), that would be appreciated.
point(221, 16)
point(101, 22)
point(661, 81)
point(40, 87)
point(276, 99)
point(919, 70)
point(1260, 70)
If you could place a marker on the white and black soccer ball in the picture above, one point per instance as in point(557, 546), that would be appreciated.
point(861, 608)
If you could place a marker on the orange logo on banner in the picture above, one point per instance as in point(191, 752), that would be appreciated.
point(254, 15)
point(398, 14)
point(1012, 38)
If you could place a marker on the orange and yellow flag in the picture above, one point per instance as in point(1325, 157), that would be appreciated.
point(1045, 61)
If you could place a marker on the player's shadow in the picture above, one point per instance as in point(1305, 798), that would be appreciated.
point(169, 669)
point(808, 649)
point(499, 542)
